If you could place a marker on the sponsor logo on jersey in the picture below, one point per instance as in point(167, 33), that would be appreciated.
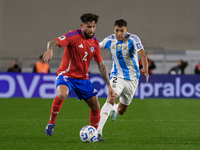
point(92, 49)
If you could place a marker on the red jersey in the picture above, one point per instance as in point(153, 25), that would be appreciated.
point(78, 53)
point(198, 67)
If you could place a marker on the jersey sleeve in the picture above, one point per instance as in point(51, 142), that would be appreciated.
point(97, 56)
point(63, 41)
point(137, 43)
point(106, 42)
point(102, 44)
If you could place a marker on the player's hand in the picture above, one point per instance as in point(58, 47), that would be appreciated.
point(146, 74)
point(48, 55)
point(111, 92)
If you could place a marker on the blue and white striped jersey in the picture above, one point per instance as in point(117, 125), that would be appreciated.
point(124, 55)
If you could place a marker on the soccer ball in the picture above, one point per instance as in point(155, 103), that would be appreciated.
point(88, 134)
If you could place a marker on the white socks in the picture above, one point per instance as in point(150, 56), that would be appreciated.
point(115, 107)
point(105, 111)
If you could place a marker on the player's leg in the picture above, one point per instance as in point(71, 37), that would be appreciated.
point(84, 89)
point(122, 108)
point(108, 106)
point(94, 114)
point(126, 97)
point(105, 111)
point(63, 92)
point(94, 105)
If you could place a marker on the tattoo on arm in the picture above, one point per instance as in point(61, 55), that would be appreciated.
point(52, 44)
point(104, 72)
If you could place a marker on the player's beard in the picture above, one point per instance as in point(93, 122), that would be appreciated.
point(88, 36)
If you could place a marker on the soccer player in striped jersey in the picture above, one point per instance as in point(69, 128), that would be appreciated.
point(80, 47)
point(125, 48)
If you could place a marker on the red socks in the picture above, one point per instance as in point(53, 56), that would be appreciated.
point(56, 106)
point(94, 118)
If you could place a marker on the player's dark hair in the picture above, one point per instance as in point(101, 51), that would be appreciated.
point(89, 17)
point(120, 23)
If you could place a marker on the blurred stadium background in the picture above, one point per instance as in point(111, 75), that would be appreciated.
point(169, 29)
point(167, 119)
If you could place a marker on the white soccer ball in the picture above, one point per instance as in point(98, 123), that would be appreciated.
point(88, 134)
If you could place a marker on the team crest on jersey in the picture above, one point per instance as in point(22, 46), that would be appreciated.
point(119, 46)
point(92, 49)
point(65, 78)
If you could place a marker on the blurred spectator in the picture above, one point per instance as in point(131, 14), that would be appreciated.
point(15, 67)
point(179, 69)
point(41, 66)
point(151, 65)
point(197, 69)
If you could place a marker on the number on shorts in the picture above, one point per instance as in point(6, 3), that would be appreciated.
point(114, 80)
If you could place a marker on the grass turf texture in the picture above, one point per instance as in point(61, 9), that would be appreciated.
point(151, 124)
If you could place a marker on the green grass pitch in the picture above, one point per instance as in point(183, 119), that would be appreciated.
point(150, 124)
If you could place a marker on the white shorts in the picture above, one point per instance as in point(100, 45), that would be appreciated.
point(124, 88)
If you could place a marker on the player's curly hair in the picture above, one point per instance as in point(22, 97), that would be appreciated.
point(89, 17)
point(120, 23)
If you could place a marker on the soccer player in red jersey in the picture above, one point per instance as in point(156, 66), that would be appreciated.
point(80, 47)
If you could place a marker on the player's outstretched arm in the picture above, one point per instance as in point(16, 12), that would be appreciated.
point(104, 73)
point(49, 52)
point(143, 57)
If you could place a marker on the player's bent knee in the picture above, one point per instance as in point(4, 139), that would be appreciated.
point(62, 96)
point(93, 103)
point(95, 108)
